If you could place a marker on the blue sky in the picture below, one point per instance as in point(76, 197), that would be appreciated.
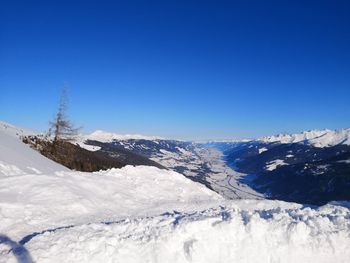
point(180, 69)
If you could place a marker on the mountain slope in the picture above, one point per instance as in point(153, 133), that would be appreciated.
point(312, 167)
point(16, 158)
point(316, 138)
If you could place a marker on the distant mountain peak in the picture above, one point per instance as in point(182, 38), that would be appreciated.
point(317, 138)
point(104, 136)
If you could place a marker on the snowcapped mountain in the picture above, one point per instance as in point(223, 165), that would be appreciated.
point(104, 136)
point(317, 138)
point(144, 214)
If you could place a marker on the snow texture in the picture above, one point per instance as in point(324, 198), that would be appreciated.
point(16, 158)
point(242, 231)
point(317, 138)
point(261, 150)
point(270, 166)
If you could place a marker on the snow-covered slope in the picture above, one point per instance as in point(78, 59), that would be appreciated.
point(14, 131)
point(17, 158)
point(332, 138)
point(65, 198)
point(317, 138)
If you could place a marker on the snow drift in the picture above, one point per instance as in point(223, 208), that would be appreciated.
point(259, 231)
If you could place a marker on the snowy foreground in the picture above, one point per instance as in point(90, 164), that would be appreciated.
point(143, 214)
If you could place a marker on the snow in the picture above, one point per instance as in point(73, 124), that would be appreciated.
point(65, 198)
point(242, 231)
point(144, 214)
point(180, 158)
point(107, 137)
point(80, 141)
point(344, 161)
point(16, 158)
point(183, 151)
point(270, 166)
point(317, 138)
point(223, 179)
point(261, 150)
point(14, 131)
point(104, 136)
point(213, 141)
point(332, 138)
point(91, 148)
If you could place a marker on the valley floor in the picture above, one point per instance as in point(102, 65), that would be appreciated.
point(223, 179)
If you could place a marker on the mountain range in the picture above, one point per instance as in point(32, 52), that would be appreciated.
point(309, 167)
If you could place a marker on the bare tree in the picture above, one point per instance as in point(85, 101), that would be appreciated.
point(61, 127)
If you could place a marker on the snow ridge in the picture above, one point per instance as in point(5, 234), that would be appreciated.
point(14, 131)
point(317, 138)
point(104, 136)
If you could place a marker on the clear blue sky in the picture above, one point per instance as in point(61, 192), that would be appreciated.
point(182, 69)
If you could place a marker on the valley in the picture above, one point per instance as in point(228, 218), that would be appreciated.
point(310, 167)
